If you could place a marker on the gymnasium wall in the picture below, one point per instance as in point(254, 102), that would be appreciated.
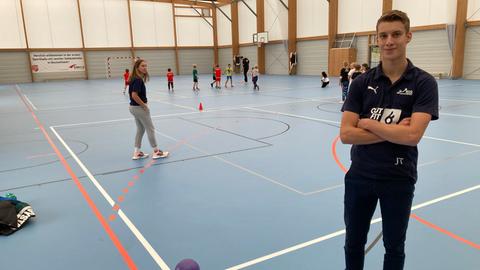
point(225, 57)
point(52, 23)
point(251, 53)
point(429, 50)
point(312, 57)
point(108, 64)
point(194, 31)
point(358, 15)
point(276, 20)
point(15, 67)
point(202, 57)
point(471, 65)
point(428, 12)
point(12, 26)
point(158, 60)
point(247, 21)
point(105, 23)
point(473, 11)
point(54, 26)
point(312, 18)
point(152, 24)
point(224, 26)
point(276, 58)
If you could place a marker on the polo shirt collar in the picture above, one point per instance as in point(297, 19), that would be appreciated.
point(408, 74)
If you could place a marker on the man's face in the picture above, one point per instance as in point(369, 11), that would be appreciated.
point(392, 40)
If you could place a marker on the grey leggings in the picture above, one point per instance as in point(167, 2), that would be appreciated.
point(144, 122)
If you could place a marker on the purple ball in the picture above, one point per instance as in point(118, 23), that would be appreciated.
point(187, 264)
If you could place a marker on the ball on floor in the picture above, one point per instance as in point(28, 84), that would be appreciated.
point(187, 264)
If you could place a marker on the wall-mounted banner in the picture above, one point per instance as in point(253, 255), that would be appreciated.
point(57, 61)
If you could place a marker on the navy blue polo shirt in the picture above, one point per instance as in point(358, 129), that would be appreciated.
point(137, 85)
point(372, 95)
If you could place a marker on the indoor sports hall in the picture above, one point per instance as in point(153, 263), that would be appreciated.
point(244, 162)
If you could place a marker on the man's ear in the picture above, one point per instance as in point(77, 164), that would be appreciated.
point(409, 37)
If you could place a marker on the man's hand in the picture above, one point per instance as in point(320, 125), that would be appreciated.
point(364, 123)
point(405, 121)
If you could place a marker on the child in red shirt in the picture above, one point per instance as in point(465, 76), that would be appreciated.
point(126, 76)
point(170, 79)
point(218, 76)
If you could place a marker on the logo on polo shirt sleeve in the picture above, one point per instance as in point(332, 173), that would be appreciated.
point(385, 115)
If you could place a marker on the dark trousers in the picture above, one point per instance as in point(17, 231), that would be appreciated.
point(324, 84)
point(245, 71)
point(254, 80)
point(170, 85)
point(361, 196)
point(344, 90)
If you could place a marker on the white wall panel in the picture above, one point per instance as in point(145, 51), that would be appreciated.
point(224, 26)
point(164, 23)
point(473, 13)
point(98, 61)
point(312, 18)
point(11, 29)
point(247, 21)
point(194, 32)
point(250, 52)
point(143, 23)
point(471, 65)
point(15, 67)
point(158, 60)
point(152, 24)
point(427, 12)
point(276, 59)
point(52, 23)
point(225, 57)
point(362, 49)
point(105, 23)
point(312, 57)
point(202, 57)
point(188, 11)
point(429, 50)
point(276, 20)
point(358, 15)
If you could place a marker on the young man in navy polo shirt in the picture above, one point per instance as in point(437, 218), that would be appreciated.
point(384, 117)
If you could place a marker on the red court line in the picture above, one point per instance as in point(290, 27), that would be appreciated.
point(454, 236)
point(141, 171)
point(334, 153)
point(128, 260)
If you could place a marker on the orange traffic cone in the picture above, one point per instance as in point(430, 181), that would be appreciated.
point(200, 107)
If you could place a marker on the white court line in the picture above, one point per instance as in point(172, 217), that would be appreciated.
point(323, 189)
point(451, 141)
point(173, 104)
point(120, 120)
point(419, 166)
point(461, 115)
point(296, 116)
point(120, 212)
point(341, 232)
point(336, 122)
point(234, 165)
point(166, 94)
point(461, 100)
point(188, 113)
point(83, 106)
point(30, 102)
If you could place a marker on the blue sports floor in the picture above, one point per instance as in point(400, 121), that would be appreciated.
point(254, 181)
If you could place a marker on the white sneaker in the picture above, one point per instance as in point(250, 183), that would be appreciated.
point(139, 155)
point(159, 154)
